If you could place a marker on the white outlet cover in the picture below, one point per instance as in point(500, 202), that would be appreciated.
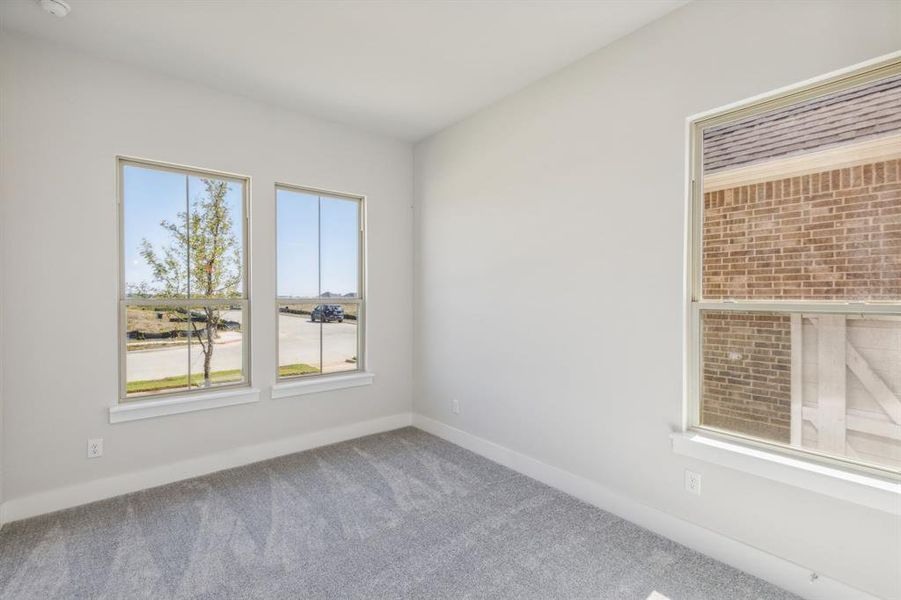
point(693, 483)
point(95, 448)
point(455, 404)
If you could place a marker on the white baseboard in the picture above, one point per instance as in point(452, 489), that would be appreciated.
point(783, 573)
point(100, 489)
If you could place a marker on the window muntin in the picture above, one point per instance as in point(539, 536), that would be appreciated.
point(183, 305)
point(320, 304)
point(796, 277)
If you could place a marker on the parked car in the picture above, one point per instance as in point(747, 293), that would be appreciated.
point(327, 313)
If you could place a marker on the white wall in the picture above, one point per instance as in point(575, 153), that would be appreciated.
point(65, 118)
point(549, 274)
point(3, 151)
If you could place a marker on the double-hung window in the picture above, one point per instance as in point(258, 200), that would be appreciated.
point(795, 321)
point(320, 306)
point(183, 298)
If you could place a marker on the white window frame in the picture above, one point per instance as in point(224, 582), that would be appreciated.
point(707, 442)
point(315, 382)
point(133, 407)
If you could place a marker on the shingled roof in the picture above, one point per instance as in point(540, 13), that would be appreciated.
point(850, 115)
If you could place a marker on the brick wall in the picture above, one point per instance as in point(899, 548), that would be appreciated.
point(829, 235)
point(746, 381)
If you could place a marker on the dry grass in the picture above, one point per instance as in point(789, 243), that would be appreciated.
point(149, 320)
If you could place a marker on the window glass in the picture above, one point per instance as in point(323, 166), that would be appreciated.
point(154, 220)
point(802, 202)
point(340, 235)
point(298, 244)
point(320, 304)
point(299, 340)
point(846, 369)
point(217, 345)
point(184, 304)
point(156, 350)
point(339, 341)
point(216, 237)
point(801, 208)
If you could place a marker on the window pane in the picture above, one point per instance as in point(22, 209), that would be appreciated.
point(746, 382)
point(802, 202)
point(298, 244)
point(318, 255)
point(155, 246)
point(843, 371)
point(339, 339)
point(216, 237)
point(156, 350)
point(217, 345)
point(340, 255)
point(298, 340)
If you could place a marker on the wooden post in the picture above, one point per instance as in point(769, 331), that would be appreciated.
point(831, 383)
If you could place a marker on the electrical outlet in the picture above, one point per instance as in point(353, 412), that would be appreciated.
point(95, 448)
point(455, 406)
point(693, 483)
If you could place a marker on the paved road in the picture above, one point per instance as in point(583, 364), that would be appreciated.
point(298, 343)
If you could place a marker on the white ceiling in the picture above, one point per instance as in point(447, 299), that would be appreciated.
point(403, 68)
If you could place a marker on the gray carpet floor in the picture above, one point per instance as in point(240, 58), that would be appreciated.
point(395, 515)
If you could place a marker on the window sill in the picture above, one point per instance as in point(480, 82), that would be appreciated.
point(133, 411)
point(859, 488)
point(313, 385)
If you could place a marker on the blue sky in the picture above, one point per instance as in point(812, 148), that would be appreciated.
point(306, 221)
point(153, 195)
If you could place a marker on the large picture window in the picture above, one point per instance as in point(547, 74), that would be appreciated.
point(796, 270)
point(184, 312)
point(320, 304)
